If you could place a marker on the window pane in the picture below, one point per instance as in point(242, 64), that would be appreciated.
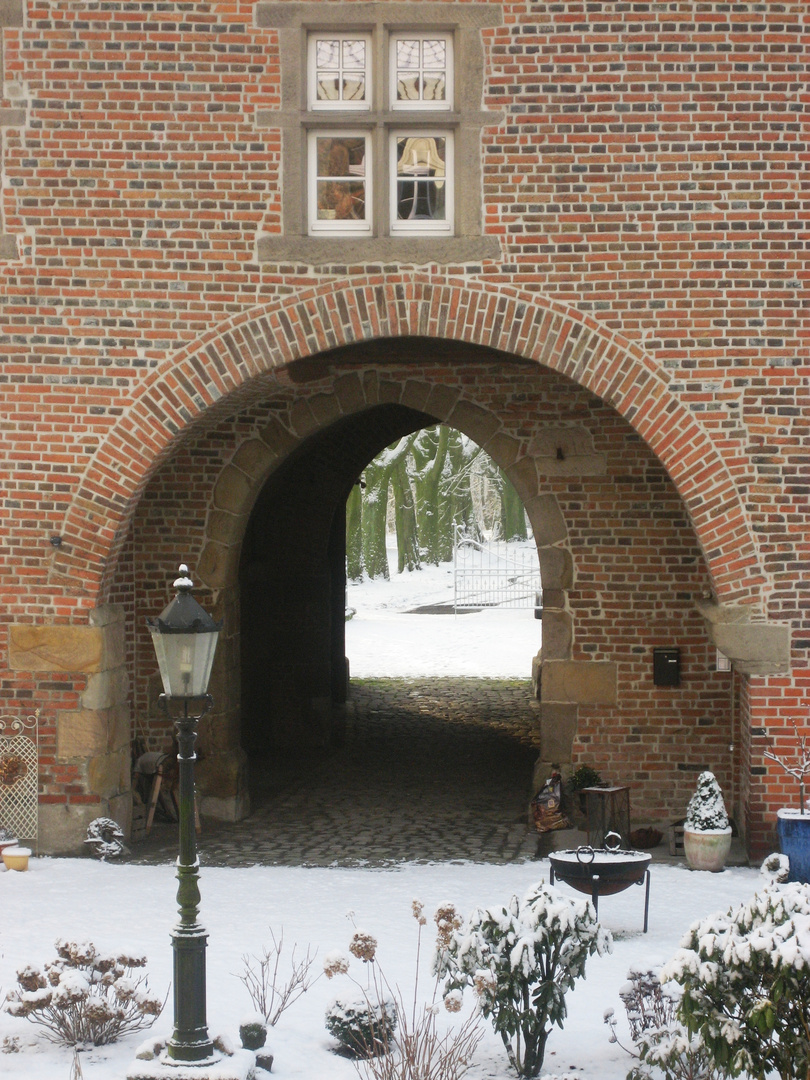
point(434, 53)
point(433, 87)
point(341, 156)
point(354, 54)
point(341, 200)
point(354, 88)
point(421, 171)
point(328, 88)
point(408, 53)
point(327, 53)
point(407, 88)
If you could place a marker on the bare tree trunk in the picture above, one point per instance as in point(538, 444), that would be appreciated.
point(354, 534)
point(430, 455)
point(405, 517)
point(513, 516)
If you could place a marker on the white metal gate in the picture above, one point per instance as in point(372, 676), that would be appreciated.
point(19, 775)
point(495, 574)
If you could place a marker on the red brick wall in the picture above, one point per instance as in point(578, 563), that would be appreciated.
point(648, 182)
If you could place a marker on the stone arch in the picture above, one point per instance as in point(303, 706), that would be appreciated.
point(253, 460)
point(211, 378)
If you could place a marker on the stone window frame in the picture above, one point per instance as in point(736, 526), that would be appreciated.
point(295, 22)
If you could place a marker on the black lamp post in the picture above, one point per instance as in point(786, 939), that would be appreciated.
point(185, 639)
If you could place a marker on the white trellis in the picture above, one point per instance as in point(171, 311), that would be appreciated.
point(19, 775)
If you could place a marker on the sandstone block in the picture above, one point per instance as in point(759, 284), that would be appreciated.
point(579, 682)
point(558, 727)
point(55, 648)
point(547, 520)
point(558, 634)
point(106, 689)
point(255, 458)
point(109, 774)
point(556, 568)
point(232, 490)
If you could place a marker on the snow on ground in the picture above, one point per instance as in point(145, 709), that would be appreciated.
point(133, 906)
point(385, 639)
point(118, 906)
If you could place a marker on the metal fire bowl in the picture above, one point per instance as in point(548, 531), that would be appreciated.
point(616, 870)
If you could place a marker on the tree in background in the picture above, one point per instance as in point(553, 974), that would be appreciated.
point(425, 487)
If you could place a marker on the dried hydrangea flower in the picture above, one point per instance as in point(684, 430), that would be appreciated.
point(363, 946)
point(335, 963)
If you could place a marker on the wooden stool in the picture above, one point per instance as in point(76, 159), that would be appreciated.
point(154, 764)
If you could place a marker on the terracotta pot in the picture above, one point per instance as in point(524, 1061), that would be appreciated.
point(16, 858)
point(707, 850)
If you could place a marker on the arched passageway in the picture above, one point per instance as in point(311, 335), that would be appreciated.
point(621, 567)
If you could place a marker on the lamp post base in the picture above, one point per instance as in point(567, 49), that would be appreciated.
point(153, 1063)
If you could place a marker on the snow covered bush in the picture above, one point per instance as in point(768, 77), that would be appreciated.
point(420, 1050)
point(663, 1046)
point(521, 960)
point(746, 984)
point(85, 996)
point(706, 810)
point(253, 1032)
point(362, 1027)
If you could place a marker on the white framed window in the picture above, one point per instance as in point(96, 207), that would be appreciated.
point(421, 178)
point(421, 71)
point(339, 71)
point(339, 196)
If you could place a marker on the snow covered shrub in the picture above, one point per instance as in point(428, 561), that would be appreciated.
point(746, 984)
point(253, 1032)
point(521, 960)
point(420, 1050)
point(260, 976)
point(85, 996)
point(706, 811)
point(662, 1045)
point(775, 868)
point(362, 1027)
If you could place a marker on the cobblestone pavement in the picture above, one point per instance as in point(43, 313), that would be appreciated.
point(425, 770)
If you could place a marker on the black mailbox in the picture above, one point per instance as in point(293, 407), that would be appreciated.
point(667, 667)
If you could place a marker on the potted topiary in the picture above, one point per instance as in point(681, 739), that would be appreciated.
point(584, 776)
point(706, 831)
point(793, 823)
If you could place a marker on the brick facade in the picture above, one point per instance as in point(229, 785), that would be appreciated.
point(643, 173)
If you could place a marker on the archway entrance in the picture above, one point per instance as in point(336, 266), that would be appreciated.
point(621, 568)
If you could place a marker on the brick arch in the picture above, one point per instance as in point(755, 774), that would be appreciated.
point(224, 371)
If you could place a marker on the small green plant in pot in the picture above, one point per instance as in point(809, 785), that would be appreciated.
point(793, 823)
point(584, 776)
point(707, 831)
